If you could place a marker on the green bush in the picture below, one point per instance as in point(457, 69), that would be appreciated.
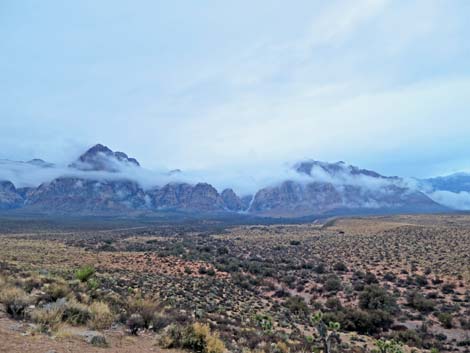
point(333, 284)
point(419, 302)
point(84, 273)
point(376, 298)
point(445, 319)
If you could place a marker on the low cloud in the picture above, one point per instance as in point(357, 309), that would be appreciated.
point(455, 200)
point(244, 181)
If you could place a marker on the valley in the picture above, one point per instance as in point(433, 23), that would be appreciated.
point(404, 278)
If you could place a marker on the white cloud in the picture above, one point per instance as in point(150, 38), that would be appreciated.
point(455, 200)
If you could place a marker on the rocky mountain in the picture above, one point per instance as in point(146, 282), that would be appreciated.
point(333, 187)
point(9, 196)
point(101, 158)
point(200, 197)
point(315, 188)
point(69, 194)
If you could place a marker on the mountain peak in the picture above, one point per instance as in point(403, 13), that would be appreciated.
point(333, 169)
point(102, 158)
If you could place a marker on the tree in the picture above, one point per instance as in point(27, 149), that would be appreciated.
point(328, 333)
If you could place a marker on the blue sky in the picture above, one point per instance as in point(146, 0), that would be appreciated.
point(211, 84)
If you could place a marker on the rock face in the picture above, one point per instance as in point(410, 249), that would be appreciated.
point(66, 195)
point(340, 187)
point(202, 197)
point(232, 201)
point(9, 196)
point(101, 158)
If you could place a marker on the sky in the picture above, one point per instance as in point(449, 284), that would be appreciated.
point(240, 85)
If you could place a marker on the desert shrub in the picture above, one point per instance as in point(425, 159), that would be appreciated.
point(159, 322)
point(360, 321)
point(390, 277)
point(171, 337)
point(145, 308)
point(333, 304)
point(409, 337)
point(196, 337)
point(377, 298)
point(202, 270)
point(320, 268)
point(281, 347)
point(101, 316)
point(34, 281)
point(84, 273)
point(56, 291)
point(76, 313)
point(445, 319)
point(93, 284)
point(264, 321)
point(448, 288)
point(134, 323)
point(419, 302)
point(421, 280)
point(340, 266)
point(370, 278)
point(15, 300)
point(333, 284)
point(389, 346)
point(48, 318)
point(297, 305)
point(358, 286)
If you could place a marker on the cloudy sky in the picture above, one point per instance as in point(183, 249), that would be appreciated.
point(240, 84)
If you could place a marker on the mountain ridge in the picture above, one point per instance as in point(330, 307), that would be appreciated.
point(316, 188)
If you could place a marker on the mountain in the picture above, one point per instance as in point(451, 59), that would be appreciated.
point(69, 194)
point(201, 197)
point(457, 182)
point(315, 188)
point(9, 196)
point(101, 158)
point(328, 187)
point(40, 163)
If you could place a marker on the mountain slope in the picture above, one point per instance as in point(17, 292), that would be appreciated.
point(337, 186)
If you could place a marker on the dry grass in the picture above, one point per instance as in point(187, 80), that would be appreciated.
point(15, 300)
point(48, 318)
point(101, 316)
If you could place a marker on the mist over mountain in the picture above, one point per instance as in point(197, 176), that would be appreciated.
point(101, 181)
point(451, 190)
